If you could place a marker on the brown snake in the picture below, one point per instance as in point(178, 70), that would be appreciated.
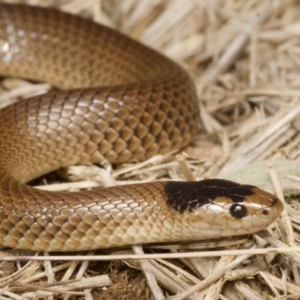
point(123, 102)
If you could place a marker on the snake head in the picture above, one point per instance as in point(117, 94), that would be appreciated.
point(216, 207)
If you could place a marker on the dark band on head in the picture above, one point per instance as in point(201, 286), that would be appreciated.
point(188, 195)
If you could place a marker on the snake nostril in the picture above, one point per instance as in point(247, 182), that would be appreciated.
point(265, 212)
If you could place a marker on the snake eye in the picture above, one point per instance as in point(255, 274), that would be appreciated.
point(238, 211)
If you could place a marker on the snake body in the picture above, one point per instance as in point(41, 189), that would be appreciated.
point(116, 100)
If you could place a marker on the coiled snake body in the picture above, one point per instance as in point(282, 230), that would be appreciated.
point(121, 101)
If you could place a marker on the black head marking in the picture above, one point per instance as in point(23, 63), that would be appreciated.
point(239, 193)
point(238, 211)
point(184, 196)
point(189, 195)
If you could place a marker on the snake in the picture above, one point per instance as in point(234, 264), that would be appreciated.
point(113, 99)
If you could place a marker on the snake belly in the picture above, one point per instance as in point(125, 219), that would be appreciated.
point(117, 100)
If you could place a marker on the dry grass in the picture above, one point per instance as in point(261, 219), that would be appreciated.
point(245, 59)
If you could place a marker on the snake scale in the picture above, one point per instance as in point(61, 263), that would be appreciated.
point(117, 100)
